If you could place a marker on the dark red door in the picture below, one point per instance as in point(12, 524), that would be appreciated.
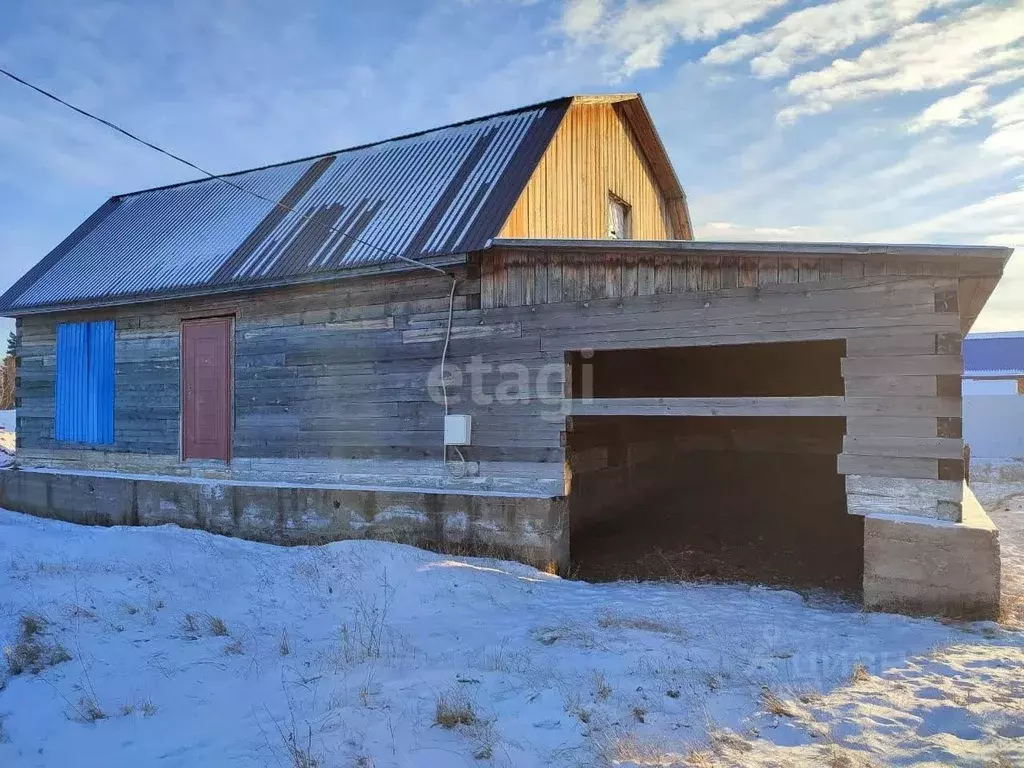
point(206, 388)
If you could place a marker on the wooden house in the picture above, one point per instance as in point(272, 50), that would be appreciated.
point(260, 355)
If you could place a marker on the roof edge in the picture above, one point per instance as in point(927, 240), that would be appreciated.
point(994, 335)
point(41, 267)
point(664, 169)
point(993, 373)
point(550, 103)
point(448, 260)
point(756, 248)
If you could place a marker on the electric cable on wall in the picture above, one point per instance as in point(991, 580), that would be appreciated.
point(278, 204)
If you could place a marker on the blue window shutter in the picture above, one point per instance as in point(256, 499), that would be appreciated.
point(101, 383)
point(84, 393)
point(72, 381)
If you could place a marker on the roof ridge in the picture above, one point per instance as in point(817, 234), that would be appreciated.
point(560, 101)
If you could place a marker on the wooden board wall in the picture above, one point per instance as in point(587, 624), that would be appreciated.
point(511, 277)
point(341, 371)
point(595, 151)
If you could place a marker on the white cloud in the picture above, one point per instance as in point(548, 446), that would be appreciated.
point(1007, 137)
point(968, 108)
point(998, 219)
point(727, 230)
point(582, 16)
point(962, 108)
point(816, 31)
point(982, 41)
point(636, 35)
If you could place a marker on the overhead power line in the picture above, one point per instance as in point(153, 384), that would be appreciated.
point(217, 177)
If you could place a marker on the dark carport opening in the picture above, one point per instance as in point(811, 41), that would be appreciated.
point(737, 498)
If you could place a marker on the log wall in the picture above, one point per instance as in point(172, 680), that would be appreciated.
point(342, 373)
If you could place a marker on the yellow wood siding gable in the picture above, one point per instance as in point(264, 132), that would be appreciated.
point(595, 153)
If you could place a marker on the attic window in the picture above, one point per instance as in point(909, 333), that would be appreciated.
point(620, 224)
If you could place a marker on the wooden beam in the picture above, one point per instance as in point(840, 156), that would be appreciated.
point(708, 406)
point(879, 466)
point(907, 365)
point(904, 447)
point(867, 495)
point(766, 406)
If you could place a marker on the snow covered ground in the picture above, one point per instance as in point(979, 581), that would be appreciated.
point(7, 426)
point(191, 649)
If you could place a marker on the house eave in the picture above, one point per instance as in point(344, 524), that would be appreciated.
point(768, 248)
point(448, 260)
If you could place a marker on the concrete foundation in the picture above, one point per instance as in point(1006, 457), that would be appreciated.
point(934, 568)
point(527, 529)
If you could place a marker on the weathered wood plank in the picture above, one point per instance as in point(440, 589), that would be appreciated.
point(904, 447)
point(879, 466)
point(710, 273)
point(894, 487)
point(422, 335)
point(809, 270)
point(747, 272)
point(894, 426)
point(708, 406)
point(630, 278)
point(895, 345)
point(906, 365)
point(645, 277)
point(662, 275)
point(916, 386)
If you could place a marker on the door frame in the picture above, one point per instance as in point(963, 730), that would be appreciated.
point(189, 318)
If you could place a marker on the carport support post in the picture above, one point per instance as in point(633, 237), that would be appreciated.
point(929, 547)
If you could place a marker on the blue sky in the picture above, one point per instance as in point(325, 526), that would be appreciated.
point(865, 120)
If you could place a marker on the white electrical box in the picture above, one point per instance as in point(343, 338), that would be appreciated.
point(457, 429)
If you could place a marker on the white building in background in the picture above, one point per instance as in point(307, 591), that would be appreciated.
point(993, 392)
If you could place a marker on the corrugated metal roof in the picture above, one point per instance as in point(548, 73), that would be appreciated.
point(992, 355)
point(439, 192)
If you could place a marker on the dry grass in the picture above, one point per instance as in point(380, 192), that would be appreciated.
point(284, 646)
point(234, 648)
point(772, 704)
point(724, 740)
point(452, 709)
point(1011, 610)
point(216, 626)
point(31, 625)
point(301, 755)
point(366, 692)
point(486, 752)
point(701, 758)
point(573, 706)
point(89, 710)
point(80, 612)
point(601, 688)
point(640, 623)
point(190, 625)
point(510, 662)
point(629, 750)
point(369, 635)
point(30, 652)
point(837, 758)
